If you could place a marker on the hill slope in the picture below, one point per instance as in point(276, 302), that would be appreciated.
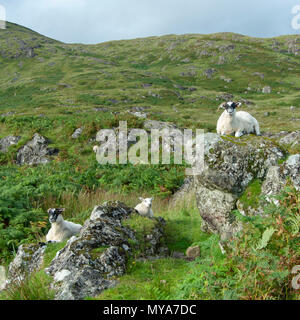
point(179, 77)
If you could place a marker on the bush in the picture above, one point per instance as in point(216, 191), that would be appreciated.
point(258, 262)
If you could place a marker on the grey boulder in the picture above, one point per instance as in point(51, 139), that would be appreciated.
point(36, 151)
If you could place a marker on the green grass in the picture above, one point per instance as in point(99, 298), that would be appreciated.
point(250, 197)
point(35, 287)
point(148, 280)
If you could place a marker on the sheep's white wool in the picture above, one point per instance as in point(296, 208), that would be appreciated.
point(62, 230)
point(145, 207)
point(237, 123)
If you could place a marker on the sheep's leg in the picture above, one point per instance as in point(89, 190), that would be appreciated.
point(257, 131)
point(238, 134)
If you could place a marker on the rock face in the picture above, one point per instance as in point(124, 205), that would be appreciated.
point(277, 177)
point(77, 133)
point(292, 139)
point(184, 190)
point(6, 142)
point(89, 263)
point(154, 124)
point(229, 166)
point(35, 151)
point(28, 259)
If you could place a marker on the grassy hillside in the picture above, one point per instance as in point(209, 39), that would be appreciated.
point(50, 87)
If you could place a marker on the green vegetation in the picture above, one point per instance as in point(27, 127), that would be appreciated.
point(250, 197)
point(59, 90)
point(256, 267)
point(35, 287)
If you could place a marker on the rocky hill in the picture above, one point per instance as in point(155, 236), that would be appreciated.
point(55, 97)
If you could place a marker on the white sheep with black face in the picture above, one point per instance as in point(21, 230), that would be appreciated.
point(145, 207)
point(236, 123)
point(60, 229)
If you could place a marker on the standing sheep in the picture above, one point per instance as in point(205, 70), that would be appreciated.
point(60, 229)
point(145, 207)
point(237, 123)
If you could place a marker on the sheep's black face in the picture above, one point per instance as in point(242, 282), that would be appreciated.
point(54, 213)
point(230, 107)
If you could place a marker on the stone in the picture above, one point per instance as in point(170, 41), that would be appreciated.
point(35, 151)
point(155, 124)
point(6, 142)
point(277, 177)
point(259, 74)
point(138, 114)
point(208, 73)
point(225, 97)
point(193, 252)
point(77, 133)
point(101, 109)
point(28, 259)
point(229, 166)
point(186, 189)
point(291, 139)
point(266, 89)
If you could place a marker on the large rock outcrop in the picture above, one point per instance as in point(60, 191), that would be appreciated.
point(36, 151)
point(90, 262)
point(278, 176)
point(230, 164)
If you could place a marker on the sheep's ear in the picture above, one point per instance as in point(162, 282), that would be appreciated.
point(152, 198)
point(222, 105)
point(141, 198)
point(238, 104)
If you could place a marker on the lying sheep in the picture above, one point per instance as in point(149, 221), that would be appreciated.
point(60, 229)
point(237, 123)
point(145, 207)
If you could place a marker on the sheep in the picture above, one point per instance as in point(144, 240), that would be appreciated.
point(60, 229)
point(145, 207)
point(237, 123)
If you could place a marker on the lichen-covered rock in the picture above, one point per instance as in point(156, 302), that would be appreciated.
point(278, 176)
point(89, 263)
point(230, 164)
point(186, 189)
point(77, 133)
point(35, 151)
point(29, 258)
point(155, 124)
point(292, 139)
point(6, 142)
